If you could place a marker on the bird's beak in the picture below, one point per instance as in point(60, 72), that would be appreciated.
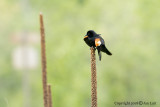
point(86, 36)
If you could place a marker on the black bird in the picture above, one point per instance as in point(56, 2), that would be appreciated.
point(93, 39)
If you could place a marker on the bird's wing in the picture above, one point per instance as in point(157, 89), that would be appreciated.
point(104, 49)
point(102, 40)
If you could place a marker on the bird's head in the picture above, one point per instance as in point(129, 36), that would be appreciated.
point(89, 34)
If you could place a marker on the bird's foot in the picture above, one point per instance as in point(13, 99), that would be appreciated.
point(93, 48)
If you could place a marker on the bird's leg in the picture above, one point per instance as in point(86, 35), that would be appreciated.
point(96, 47)
point(93, 47)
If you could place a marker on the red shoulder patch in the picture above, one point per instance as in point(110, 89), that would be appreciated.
point(97, 42)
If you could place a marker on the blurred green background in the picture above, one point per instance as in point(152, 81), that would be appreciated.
point(130, 28)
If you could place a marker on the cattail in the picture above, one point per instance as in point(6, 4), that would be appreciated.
point(93, 79)
point(49, 96)
point(43, 58)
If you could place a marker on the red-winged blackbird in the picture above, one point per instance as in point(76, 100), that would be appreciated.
point(93, 39)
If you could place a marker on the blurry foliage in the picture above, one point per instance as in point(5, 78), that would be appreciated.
point(130, 29)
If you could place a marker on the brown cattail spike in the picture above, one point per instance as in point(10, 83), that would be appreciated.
point(93, 78)
point(49, 96)
point(43, 58)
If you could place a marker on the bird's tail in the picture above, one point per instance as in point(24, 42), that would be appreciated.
point(104, 49)
point(99, 54)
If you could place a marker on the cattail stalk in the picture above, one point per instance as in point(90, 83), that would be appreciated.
point(43, 58)
point(49, 96)
point(93, 79)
